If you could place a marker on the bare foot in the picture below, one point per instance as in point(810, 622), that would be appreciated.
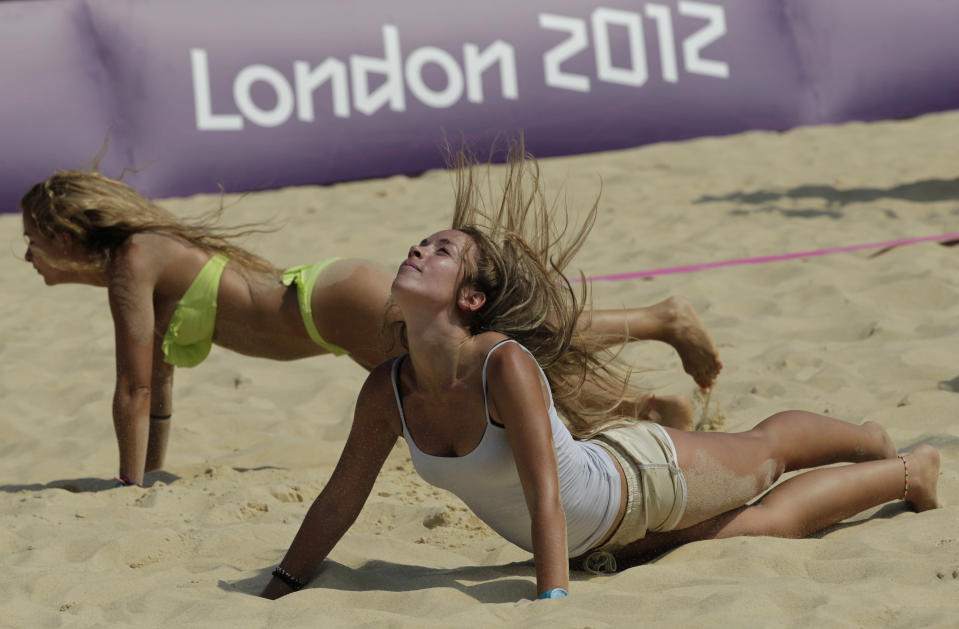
point(923, 466)
point(669, 410)
point(685, 332)
point(673, 411)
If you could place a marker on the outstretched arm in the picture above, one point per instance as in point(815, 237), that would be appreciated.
point(519, 401)
point(131, 303)
point(371, 438)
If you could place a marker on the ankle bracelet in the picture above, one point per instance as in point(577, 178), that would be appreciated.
point(905, 467)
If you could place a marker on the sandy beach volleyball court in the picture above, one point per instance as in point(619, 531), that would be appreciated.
point(864, 335)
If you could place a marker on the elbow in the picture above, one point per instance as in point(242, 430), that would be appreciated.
point(130, 395)
point(549, 508)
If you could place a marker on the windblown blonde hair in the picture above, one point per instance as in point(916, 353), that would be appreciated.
point(523, 245)
point(100, 213)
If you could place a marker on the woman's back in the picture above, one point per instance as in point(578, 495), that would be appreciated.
point(255, 313)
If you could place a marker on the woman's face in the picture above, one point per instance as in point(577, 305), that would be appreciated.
point(46, 254)
point(434, 267)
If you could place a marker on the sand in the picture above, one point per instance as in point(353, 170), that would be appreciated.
point(858, 335)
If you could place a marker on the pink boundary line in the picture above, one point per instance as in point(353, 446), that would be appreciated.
point(762, 259)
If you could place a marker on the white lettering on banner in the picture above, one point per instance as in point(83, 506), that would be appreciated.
point(308, 80)
point(244, 100)
point(605, 71)
point(667, 42)
point(715, 29)
point(637, 73)
point(398, 75)
point(555, 57)
point(206, 120)
point(454, 77)
point(477, 63)
point(350, 82)
point(390, 66)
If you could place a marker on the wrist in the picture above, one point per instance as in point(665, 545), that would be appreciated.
point(554, 593)
point(124, 481)
point(294, 583)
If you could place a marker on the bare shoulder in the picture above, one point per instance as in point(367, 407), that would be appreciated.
point(142, 257)
point(508, 359)
point(160, 262)
point(514, 380)
point(133, 273)
point(149, 266)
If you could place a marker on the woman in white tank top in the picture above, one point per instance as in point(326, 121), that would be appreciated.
point(479, 417)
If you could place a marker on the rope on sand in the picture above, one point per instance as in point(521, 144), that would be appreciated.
point(691, 268)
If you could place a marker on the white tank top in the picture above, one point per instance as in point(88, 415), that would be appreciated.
point(487, 481)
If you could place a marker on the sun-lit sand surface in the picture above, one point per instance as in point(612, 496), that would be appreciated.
point(859, 336)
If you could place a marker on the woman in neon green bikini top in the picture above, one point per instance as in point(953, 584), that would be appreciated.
point(175, 289)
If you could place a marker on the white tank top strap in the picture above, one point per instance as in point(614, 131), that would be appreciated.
point(486, 361)
point(394, 378)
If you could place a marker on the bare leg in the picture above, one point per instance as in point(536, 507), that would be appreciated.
point(724, 471)
point(672, 321)
point(810, 502)
point(669, 410)
point(673, 411)
point(349, 303)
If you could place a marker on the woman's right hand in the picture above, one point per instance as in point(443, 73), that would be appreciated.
point(371, 439)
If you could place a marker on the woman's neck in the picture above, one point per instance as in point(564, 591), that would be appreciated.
point(441, 352)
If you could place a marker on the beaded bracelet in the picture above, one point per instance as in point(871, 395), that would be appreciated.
point(295, 584)
point(554, 593)
point(905, 467)
point(167, 416)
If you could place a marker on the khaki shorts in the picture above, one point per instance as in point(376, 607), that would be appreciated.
point(655, 485)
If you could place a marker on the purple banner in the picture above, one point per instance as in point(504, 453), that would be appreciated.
point(250, 95)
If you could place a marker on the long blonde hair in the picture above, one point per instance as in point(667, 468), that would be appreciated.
point(100, 213)
point(523, 245)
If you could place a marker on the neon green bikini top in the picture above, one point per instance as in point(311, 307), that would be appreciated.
point(188, 339)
